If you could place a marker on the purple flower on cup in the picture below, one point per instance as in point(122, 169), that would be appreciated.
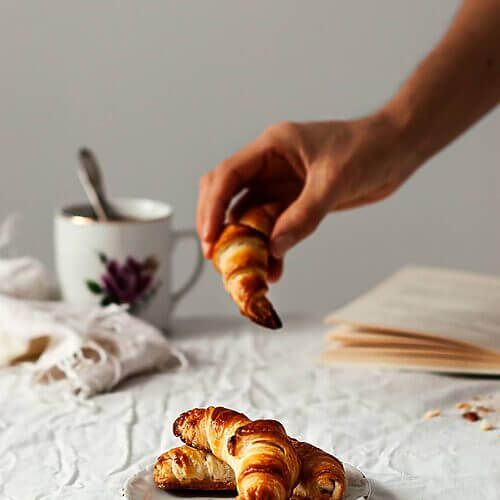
point(130, 282)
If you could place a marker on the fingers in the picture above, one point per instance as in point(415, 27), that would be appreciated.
point(275, 269)
point(248, 200)
point(224, 184)
point(204, 190)
point(284, 188)
point(301, 218)
point(218, 187)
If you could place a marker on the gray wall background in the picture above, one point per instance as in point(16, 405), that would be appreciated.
point(163, 90)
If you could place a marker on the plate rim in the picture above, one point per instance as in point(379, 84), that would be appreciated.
point(125, 493)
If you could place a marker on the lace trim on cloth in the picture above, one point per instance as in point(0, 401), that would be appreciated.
point(114, 346)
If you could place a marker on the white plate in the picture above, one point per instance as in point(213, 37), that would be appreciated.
point(141, 487)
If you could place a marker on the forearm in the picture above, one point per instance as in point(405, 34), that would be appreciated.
point(313, 168)
point(454, 86)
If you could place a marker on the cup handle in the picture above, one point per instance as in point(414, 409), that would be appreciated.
point(182, 234)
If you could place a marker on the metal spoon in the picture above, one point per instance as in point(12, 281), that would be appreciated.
point(91, 179)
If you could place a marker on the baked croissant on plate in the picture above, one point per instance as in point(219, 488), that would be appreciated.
point(321, 476)
point(265, 463)
point(191, 469)
point(241, 256)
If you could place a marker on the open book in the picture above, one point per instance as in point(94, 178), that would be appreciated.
point(422, 318)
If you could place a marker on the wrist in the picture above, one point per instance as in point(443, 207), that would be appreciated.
point(398, 132)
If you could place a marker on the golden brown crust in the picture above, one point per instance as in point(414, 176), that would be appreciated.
point(241, 256)
point(187, 468)
point(233, 233)
point(261, 311)
point(261, 217)
point(322, 476)
point(203, 485)
point(260, 453)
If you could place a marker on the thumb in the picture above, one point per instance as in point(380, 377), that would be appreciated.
point(300, 219)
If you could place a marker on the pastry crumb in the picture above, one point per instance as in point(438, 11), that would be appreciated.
point(486, 426)
point(463, 406)
point(432, 414)
point(471, 416)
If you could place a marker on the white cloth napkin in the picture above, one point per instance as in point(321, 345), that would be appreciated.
point(81, 349)
point(22, 277)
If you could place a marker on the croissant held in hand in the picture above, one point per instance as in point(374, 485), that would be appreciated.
point(264, 461)
point(241, 255)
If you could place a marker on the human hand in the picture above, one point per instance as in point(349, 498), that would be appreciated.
point(312, 169)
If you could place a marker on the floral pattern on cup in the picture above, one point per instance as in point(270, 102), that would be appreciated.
point(130, 282)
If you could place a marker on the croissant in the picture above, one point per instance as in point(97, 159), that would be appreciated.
point(265, 463)
point(321, 476)
point(187, 468)
point(241, 256)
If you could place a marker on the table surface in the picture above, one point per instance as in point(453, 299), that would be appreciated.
point(55, 448)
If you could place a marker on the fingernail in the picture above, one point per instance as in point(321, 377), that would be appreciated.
point(205, 248)
point(280, 245)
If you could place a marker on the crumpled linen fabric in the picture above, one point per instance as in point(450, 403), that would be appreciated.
point(90, 349)
point(371, 418)
point(75, 349)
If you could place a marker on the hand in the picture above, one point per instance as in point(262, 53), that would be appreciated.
point(312, 169)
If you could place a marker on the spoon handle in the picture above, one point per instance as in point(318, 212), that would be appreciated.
point(91, 180)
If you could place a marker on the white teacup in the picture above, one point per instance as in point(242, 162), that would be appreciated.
point(126, 261)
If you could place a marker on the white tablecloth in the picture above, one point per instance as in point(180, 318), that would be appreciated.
point(53, 449)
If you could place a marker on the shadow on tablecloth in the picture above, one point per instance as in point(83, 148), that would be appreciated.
point(223, 326)
point(380, 492)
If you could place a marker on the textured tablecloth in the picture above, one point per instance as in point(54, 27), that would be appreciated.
point(53, 449)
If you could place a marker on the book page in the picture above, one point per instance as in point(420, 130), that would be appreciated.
point(354, 333)
point(362, 339)
point(454, 305)
point(409, 361)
